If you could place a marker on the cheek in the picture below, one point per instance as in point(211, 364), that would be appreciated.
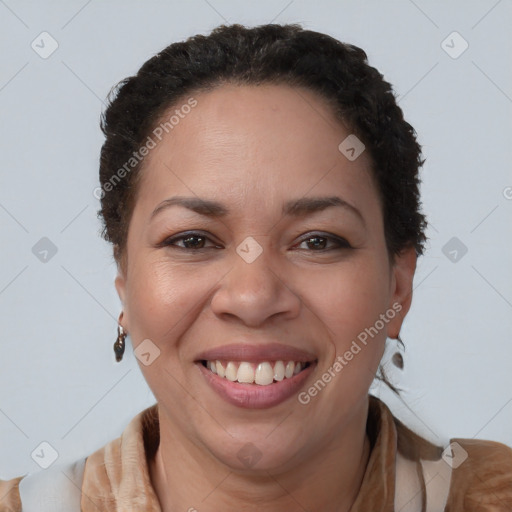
point(349, 302)
point(162, 298)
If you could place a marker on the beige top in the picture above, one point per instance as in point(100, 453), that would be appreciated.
point(116, 476)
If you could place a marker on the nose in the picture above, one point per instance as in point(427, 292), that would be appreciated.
point(255, 292)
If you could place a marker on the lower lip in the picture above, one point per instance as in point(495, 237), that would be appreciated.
point(254, 396)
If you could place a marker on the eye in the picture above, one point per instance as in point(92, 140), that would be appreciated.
point(191, 241)
point(319, 242)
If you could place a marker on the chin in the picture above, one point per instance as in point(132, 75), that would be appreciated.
point(259, 450)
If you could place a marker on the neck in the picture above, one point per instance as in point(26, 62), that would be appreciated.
point(329, 481)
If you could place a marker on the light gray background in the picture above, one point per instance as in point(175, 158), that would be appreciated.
point(59, 382)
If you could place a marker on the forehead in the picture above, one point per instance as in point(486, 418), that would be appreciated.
point(264, 117)
point(238, 141)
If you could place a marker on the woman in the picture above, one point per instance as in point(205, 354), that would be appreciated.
point(260, 190)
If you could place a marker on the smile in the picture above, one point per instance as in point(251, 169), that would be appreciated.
point(255, 375)
point(264, 373)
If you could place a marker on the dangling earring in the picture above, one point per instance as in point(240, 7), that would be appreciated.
point(397, 358)
point(119, 344)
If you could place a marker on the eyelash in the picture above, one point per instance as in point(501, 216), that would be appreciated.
point(170, 242)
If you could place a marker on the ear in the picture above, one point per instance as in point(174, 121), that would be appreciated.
point(402, 275)
point(120, 284)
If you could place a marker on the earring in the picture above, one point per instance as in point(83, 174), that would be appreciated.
point(397, 358)
point(119, 344)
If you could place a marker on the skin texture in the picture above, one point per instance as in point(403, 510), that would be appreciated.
point(253, 148)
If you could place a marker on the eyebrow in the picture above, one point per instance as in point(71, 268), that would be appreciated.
point(196, 204)
point(295, 208)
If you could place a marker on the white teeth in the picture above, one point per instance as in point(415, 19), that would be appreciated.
point(221, 371)
point(279, 371)
point(263, 374)
point(231, 371)
point(245, 373)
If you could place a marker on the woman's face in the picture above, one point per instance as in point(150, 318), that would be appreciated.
point(267, 275)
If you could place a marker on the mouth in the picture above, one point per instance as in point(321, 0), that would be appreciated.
point(263, 373)
point(256, 376)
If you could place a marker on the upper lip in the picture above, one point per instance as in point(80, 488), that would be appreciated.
point(255, 353)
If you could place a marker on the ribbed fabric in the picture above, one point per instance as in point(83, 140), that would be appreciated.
point(116, 477)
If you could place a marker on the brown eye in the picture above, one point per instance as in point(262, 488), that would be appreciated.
point(189, 241)
point(318, 243)
point(194, 242)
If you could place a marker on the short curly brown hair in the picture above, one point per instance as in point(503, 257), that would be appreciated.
point(267, 54)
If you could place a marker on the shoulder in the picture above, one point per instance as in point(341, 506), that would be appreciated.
point(10, 495)
point(481, 470)
point(481, 476)
point(44, 489)
point(100, 472)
